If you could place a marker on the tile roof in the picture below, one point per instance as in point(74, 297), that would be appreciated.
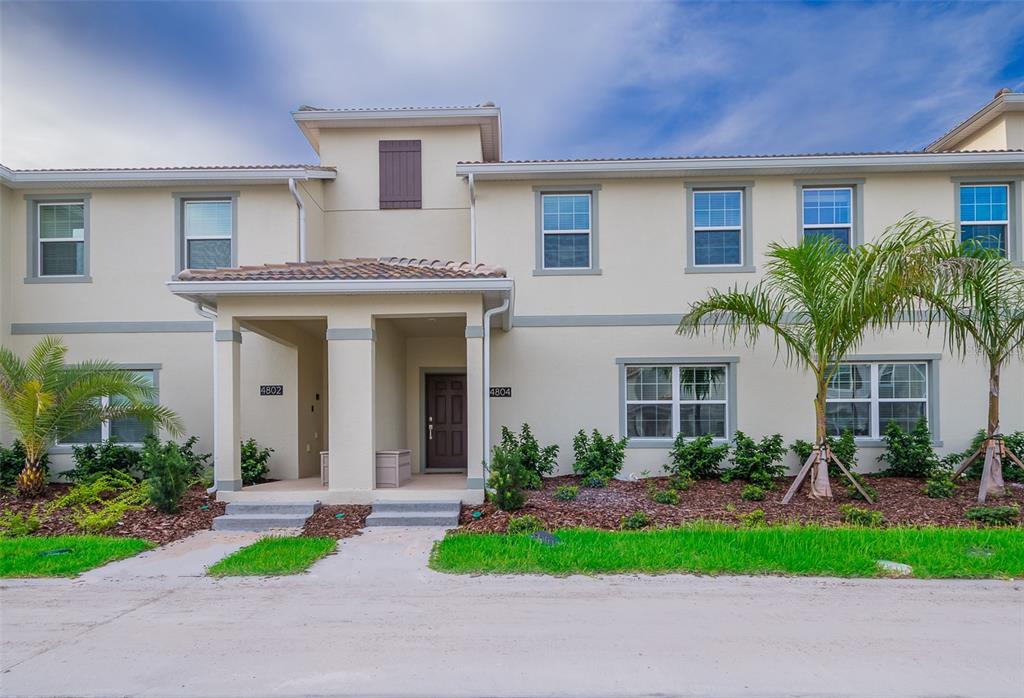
point(356, 269)
point(734, 157)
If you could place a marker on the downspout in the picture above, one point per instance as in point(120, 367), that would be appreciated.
point(302, 218)
point(211, 316)
point(472, 218)
point(487, 384)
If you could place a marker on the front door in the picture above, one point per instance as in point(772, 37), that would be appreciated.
point(445, 434)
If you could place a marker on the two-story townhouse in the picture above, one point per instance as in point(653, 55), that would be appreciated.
point(463, 292)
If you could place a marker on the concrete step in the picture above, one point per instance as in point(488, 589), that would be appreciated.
point(423, 518)
point(403, 505)
point(293, 508)
point(258, 522)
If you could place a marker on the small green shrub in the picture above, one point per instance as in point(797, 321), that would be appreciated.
point(752, 459)
point(197, 464)
point(95, 460)
point(909, 454)
point(506, 479)
point(939, 484)
point(594, 482)
point(853, 493)
point(103, 519)
point(113, 485)
point(254, 461)
point(634, 521)
point(168, 474)
point(696, 458)
point(753, 493)
point(763, 480)
point(566, 493)
point(665, 497)
point(1011, 471)
point(525, 524)
point(15, 525)
point(994, 516)
point(598, 458)
point(536, 461)
point(681, 481)
point(844, 447)
point(855, 516)
point(12, 462)
point(753, 519)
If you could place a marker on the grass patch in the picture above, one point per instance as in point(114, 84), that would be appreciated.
point(274, 555)
point(63, 556)
point(707, 548)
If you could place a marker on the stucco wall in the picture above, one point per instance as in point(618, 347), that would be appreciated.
point(390, 387)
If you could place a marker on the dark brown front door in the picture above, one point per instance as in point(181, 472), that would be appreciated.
point(446, 421)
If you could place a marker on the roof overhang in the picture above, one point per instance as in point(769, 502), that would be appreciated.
point(747, 165)
point(487, 118)
point(1003, 102)
point(98, 178)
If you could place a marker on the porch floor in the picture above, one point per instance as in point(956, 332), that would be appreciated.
point(422, 486)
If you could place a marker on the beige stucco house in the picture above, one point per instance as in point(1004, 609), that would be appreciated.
point(462, 292)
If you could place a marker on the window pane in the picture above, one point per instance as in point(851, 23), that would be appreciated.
point(984, 203)
point(567, 251)
point(827, 206)
point(717, 209)
point(57, 221)
point(649, 421)
point(208, 254)
point(902, 381)
point(93, 435)
point(62, 258)
point(850, 381)
point(716, 247)
point(130, 430)
point(839, 236)
point(697, 420)
point(905, 414)
point(208, 219)
point(649, 383)
point(566, 212)
point(702, 383)
point(840, 416)
point(987, 237)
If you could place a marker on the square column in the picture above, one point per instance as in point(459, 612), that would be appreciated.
point(475, 409)
point(227, 456)
point(350, 371)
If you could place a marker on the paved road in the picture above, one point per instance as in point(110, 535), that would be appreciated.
point(374, 621)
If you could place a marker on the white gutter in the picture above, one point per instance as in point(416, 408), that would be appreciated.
point(212, 316)
point(155, 177)
point(487, 383)
point(322, 286)
point(472, 218)
point(302, 218)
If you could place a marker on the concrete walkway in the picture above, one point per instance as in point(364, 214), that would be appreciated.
point(372, 620)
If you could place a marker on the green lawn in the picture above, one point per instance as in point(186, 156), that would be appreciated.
point(273, 556)
point(63, 556)
point(719, 549)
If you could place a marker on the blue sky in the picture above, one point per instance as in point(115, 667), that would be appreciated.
point(130, 84)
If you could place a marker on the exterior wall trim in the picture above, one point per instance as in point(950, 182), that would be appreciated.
point(350, 333)
point(854, 183)
point(1015, 230)
point(192, 289)
point(538, 196)
point(228, 336)
point(474, 331)
point(747, 240)
point(32, 245)
point(23, 328)
point(179, 222)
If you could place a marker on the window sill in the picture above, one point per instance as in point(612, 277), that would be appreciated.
point(742, 269)
point(567, 272)
point(58, 279)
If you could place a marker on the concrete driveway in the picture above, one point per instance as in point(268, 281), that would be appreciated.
point(374, 621)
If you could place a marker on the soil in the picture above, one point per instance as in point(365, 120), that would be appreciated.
point(196, 513)
point(325, 521)
point(900, 500)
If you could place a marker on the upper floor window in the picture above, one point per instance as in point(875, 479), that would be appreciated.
point(717, 228)
point(828, 213)
point(985, 215)
point(401, 175)
point(866, 397)
point(667, 401)
point(58, 238)
point(565, 221)
point(206, 231)
point(128, 430)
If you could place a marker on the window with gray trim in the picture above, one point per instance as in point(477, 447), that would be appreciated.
point(565, 230)
point(827, 212)
point(58, 238)
point(719, 225)
point(207, 233)
point(985, 216)
point(662, 402)
point(865, 397)
point(128, 430)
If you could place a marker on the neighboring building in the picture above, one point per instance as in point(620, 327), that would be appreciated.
point(577, 270)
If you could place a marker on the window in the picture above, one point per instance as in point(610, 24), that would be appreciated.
point(866, 397)
point(662, 402)
point(565, 226)
point(207, 228)
point(58, 238)
point(129, 430)
point(985, 215)
point(828, 213)
point(401, 175)
point(717, 228)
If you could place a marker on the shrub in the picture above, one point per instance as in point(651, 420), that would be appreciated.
point(113, 485)
point(753, 519)
point(525, 524)
point(595, 482)
point(167, 474)
point(753, 493)
point(681, 481)
point(14, 525)
point(598, 458)
point(1011, 471)
point(939, 484)
point(854, 493)
point(698, 458)
point(752, 459)
point(254, 461)
point(634, 521)
point(665, 496)
point(95, 460)
point(536, 461)
point(99, 520)
point(855, 516)
point(993, 516)
point(566, 493)
point(844, 447)
point(506, 479)
point(909, 454)
point(197, 464)
point(12, 462)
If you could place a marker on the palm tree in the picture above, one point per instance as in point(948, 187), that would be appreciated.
point(978, 298)
point(45, 400)
point(818, 301)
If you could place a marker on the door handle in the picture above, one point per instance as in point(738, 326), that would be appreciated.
point(430, 429)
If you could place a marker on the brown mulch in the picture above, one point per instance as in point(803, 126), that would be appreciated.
point(325, 522)
point(196, 513)
point(900, 500)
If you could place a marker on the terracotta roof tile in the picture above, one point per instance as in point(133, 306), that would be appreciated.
point(737, 157)
point(359, 268)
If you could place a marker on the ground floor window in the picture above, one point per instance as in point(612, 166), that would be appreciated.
point(662, 402)
point(129, 430)
point(866, 396)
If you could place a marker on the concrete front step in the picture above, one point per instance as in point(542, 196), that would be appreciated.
point(264, 516)
point(393, 513)
point(295, 508)
point(399, 505)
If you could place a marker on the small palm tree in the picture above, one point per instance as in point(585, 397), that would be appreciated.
point(818, 301)
point(45, 400)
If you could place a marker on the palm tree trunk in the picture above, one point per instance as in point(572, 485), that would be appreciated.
point(820, 487)
point(31, 480)
point(996, 485)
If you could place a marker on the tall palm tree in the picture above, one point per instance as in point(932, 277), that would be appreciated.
point(45, 400)
point(819, 300)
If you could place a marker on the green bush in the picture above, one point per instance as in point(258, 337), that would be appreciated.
point(12, 462)
point(15, 525)
point(853, 493)
point(939, 484)
point(525, 524)
point(698, 458)
point(994, 516)
point(536, 461)
point(506, 479)
point(95, 460)
point(634, 521)
point(1011, 471)
point(598, 458)
point(197, 464)
point(254, 461)
point(855, 516)
point(909, 454)
point(167, 474)
point(665, 496)
point(753, 519)
point(753, 493)
point(756, 460)
point(681, 481)
point(566, 493)
point(844, 447)
point(113, 485)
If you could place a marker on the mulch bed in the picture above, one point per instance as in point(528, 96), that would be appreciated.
point(900, 500)
point(326, 523)
point(196, 514)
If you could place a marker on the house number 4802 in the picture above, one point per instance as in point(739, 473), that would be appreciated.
point(271, 390)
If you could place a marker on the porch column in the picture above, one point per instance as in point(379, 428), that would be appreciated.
point(350, 370)
point(475, 407)
point(227, 456)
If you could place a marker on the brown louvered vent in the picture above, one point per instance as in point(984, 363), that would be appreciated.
point(401, 175)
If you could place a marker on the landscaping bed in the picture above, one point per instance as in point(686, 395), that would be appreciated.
point(900, 500)
point(326, 523)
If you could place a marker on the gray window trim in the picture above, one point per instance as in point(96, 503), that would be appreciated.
point(538, 192)
point(730, 363)
point(856, 184)
point(180, 198)
point(1015, 230)
point(32, 202)
point(746, 238)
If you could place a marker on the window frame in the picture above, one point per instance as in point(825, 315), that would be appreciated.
point(34, 243)
point(745, 190)
point(856, 187)
point(1014, 226)
point(154, 368)
point(181, 199)
point(540, 192)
